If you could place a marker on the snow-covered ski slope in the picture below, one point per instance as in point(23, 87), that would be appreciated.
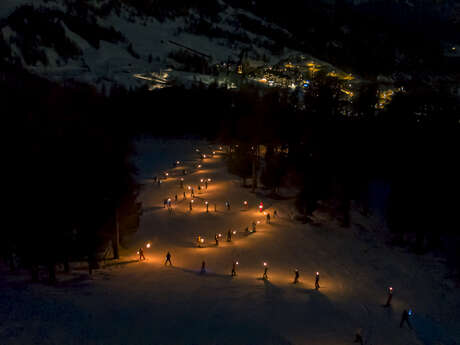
point(146, 303)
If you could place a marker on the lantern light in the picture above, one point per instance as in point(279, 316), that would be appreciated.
point(209, 180)
point(192, 201)
point(265, 264)
point(237, 263)
point(177, 162)
point(148, 245)
point(201, 180)
point(202, 240)
point(234, 232)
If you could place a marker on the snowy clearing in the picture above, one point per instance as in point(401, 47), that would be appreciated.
point(133, 302)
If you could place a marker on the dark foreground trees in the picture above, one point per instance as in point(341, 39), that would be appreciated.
point(70, 172)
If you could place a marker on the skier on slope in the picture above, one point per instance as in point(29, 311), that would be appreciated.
point(203, 267)
point(405, 318)
point(390, 296)
point(265, 275)
point(268, 218)
point(254, 226)
point(234, 268)
point(359, 338)
point(141, 254)
point(229, 236)
point(317, 281)
point(168, 259)
point(296, 277)
point(227, 204)
point(216, 238)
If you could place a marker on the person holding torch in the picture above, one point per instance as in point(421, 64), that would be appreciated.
point(235, 263)
point(265, 275)
point(317, 281)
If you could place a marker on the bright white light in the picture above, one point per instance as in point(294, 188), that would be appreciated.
point(265, 264)
point(148, 245)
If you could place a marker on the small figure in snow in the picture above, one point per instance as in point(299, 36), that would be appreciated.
point(155, 179)
point(168, 259)
point(229, 236)
point(203, 267)
point(275, 214)
point(359, 338)
point(215, 207)
point(390, 296)
point(227, 204)
point(265, 275)
point(199, 188)
point(217, 239)
point(296, 277)
point(317, 281)
point(165, 202)
point(159, 182)
point(254, 226)
point(246, 230)
point(405, 317)
point(206, 184)
point(185, 197)
point(175, 197)
point(141, 254)
point(234, 268)
point(268, 218)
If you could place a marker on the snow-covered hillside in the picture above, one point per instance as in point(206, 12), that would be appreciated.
point(108, 41)
point(144, 303)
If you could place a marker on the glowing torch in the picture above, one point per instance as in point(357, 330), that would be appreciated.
point(261, 206)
